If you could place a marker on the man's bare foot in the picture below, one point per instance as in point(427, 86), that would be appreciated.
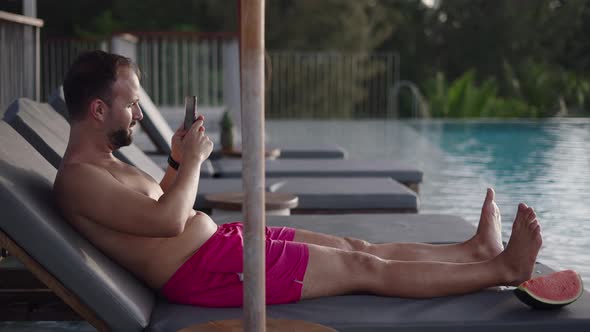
point(487, 241)
point(518, 260)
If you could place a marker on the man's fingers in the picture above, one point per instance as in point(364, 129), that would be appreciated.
point(198, 123)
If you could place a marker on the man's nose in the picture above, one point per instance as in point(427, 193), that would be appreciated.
point(137, 113)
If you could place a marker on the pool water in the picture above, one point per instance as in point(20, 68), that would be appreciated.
point(545, 164)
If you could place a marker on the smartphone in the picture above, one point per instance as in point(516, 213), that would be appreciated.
point(190, 111)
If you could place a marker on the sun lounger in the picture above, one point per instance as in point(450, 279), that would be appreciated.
point(110, 298)
point(406, 174)
point(48, 133)
point(346, 195)
point(316, 151)
point(160, 133)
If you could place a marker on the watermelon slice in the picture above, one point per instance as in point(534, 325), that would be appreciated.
point(551, 291)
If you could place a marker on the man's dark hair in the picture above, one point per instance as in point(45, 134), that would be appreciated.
point(91, 76)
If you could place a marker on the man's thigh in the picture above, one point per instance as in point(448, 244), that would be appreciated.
point(332, 271)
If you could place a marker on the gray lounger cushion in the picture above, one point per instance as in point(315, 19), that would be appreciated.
point(487, 311)
point(326, 194)
point(347, 193)
point(154, 124)
point(382, 228)
point(31, 220)
point(48, 132)
point(326, 168)
point(58, 102)
point(317, 151)
point(41, 127)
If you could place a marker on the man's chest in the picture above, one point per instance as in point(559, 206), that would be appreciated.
point(136, 180)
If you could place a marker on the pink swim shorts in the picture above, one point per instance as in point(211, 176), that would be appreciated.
point(213, 276)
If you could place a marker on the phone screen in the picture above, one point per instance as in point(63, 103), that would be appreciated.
point(190, 111)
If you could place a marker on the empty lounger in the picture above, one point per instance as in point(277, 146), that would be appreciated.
point(316, 151)
point(300, 151)
point(48, 133)
point(347, 195)
point(326, 195)
point(406, 174)
point(112, 299)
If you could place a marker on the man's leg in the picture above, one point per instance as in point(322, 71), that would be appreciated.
point(485, 244)
point(334, 271)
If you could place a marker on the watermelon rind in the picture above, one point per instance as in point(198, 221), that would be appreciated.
point(537, 302)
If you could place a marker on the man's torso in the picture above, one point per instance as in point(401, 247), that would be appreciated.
point(153, 259)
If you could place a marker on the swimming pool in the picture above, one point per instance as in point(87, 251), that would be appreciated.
point(545, 164)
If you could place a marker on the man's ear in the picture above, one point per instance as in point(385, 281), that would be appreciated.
point(98, 109)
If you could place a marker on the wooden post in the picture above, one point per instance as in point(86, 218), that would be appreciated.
point(252, 97)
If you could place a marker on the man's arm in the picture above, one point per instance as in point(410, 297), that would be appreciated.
point(168, 178)
point(176, 153)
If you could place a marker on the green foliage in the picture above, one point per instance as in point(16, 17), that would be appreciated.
point(92, 18)
point(226, 121)
point(227, 132)
point(327, 26)
point(486, 35)
point(100, 27)
point(549, 88)
point(304, 25)
point(463, 98)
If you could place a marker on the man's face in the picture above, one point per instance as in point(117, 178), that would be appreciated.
point(124, 109)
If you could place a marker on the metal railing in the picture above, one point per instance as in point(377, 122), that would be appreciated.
point(299, 84)
point(178, 64)
point(57, 56)
point(330, 85)
point(19, 62)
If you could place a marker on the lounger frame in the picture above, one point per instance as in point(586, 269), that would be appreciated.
point(52, 283)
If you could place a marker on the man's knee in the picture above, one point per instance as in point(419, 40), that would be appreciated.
point(353, 244)
point(336, 272)
point(364, 264)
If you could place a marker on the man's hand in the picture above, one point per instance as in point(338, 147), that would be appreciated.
point(177, 143)
point(178, 137)
point(195, 144)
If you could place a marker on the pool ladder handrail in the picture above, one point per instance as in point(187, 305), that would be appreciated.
point(420, 107)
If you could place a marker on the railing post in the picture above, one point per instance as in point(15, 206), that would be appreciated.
point(19, 63)
point(32, 51)
point(125, 44)
point(37, 63)
point(30, 8)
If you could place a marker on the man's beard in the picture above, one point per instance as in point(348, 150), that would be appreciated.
point(120, 138)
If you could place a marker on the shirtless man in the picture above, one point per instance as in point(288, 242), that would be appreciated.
point(151, 228)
